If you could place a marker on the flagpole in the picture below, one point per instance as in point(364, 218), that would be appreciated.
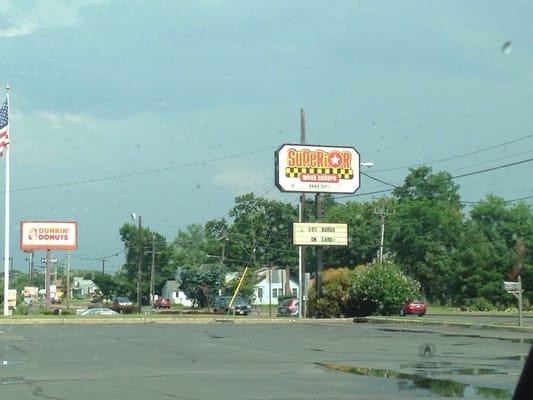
point(6, 219)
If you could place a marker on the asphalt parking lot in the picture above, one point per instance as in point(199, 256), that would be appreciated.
point(258, 361)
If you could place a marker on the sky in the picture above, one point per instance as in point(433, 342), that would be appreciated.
point(171, 109)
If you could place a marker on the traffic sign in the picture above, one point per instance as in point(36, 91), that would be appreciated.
point(52, 260)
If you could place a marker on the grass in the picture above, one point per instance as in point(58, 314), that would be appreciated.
point(438, 309)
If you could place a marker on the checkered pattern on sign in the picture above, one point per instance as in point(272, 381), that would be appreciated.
point(295, 172)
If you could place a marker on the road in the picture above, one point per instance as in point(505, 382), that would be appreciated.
point(257, 361)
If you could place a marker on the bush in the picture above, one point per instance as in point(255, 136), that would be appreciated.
point(333, 301)
point(479, 304)
point(381, 289)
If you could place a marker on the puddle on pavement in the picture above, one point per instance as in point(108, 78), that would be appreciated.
point(447, 368)
point(512, 340)
point(407, 381)
point(521, 357)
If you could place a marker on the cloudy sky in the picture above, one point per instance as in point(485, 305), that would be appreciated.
point(171, 109)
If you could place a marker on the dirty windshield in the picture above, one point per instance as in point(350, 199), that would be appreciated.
point(260, 200)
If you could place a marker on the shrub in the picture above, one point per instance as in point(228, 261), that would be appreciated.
point(381, 289)
point(334, 296)
point(479, 304)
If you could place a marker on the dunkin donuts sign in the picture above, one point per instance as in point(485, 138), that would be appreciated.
point(302, 168)
point(48, 235)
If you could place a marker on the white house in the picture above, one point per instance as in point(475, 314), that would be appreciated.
point(82, 287)
point(271, 284)
point(170, 291)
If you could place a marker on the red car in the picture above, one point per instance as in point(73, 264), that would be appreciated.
point(162, 302)
point(413, 307)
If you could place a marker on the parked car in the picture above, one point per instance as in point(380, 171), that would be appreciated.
point(220, 304)
point(289, 308)
point(162, 302)
point(55, 300)
point(123, 305)
point(413, 307)
point(239, 306)
point(99, 311)
point(122, 302)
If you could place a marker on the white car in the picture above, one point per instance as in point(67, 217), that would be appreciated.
point(99, 311)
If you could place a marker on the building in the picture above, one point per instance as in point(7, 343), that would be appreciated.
point(271, 286)
point(82, 287)
point(170, 291)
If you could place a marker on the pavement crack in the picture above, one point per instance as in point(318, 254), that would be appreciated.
point(38, 391)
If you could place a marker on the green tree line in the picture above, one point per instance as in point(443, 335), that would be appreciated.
point(459, 253)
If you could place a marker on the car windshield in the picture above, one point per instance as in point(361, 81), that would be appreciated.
point(122, 299)
point(354, 174)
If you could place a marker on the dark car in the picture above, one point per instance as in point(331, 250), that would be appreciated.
point(162, 302)
point(288, 308)
point(122, 302)
point(239, 306)
point(413, 307)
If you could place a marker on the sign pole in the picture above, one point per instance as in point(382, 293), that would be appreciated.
point(47, 280)
point(6, 220)
point(301, 283)
point(67, 295)
point(318, 277)
point(520, 319)
point(301, 250)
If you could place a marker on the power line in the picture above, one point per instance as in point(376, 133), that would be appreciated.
point(98, 258)
point(493, 160)
point(493, 168)
point(481, 171)
point(458, 155)
point(379, 180)
point(143, 172)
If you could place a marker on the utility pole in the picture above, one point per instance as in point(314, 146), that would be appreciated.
point(103, 266)
point(270, 291)
point(152, 271)
point(301, 249)
point(68, 278)
point(382, 212)
point(139, 263)
point(30, 267)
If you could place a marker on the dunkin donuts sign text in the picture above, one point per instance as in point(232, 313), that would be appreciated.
point(58, 235)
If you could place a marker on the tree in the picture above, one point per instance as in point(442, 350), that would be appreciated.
point(107, 285)
point(363, 234)
point(259, 234)
point(247, 289)
point(164, 270)
point(201, 283)
point(426, 229)
point(496, 246)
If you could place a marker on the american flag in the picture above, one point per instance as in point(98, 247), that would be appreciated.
point(4, 127)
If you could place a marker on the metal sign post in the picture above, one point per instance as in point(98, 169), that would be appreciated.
point(515, 288)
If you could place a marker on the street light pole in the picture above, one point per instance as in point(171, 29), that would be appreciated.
point(139, 263)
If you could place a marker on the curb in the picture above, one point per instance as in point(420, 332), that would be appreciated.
point(387, 320)
point(140, 321)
